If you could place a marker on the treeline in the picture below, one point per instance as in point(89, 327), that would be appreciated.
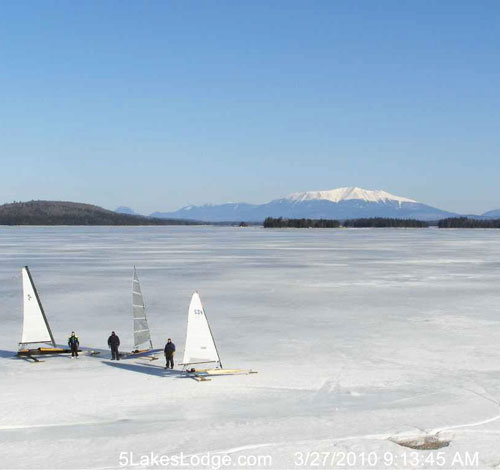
point(385, 222)
point(72, 213)
point(281, 222)
point(380, 222)
point(464, 222)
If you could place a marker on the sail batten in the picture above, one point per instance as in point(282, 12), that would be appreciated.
point(141, 328)
point(36, 328)
point(200, 344)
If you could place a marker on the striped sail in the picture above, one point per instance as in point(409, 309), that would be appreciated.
point(141, 328)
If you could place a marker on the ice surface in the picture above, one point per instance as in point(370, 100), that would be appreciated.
point(359, 337)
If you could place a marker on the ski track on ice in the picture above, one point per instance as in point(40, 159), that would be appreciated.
point(287, 443)
point(468, 425)
point(61, 425)
point(380, 437)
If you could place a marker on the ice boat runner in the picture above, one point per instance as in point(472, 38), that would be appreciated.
point(36, 329)
point(142, 335)
point(200, 345)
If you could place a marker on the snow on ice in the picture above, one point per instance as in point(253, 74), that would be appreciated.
point(366, 341)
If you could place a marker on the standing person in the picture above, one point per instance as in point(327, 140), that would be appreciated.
point(73, 343)
point(169, 353)
point(113, 343)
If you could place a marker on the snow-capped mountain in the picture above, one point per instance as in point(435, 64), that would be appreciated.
point(346, 194)
point(340, 203)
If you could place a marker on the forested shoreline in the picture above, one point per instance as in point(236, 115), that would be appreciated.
point(379, 222)
point(465, 222)
point(281, 222)
point(73, 213)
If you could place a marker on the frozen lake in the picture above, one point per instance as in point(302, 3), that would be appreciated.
point(360, 337)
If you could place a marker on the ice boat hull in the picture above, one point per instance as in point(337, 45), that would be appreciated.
point(42, 351)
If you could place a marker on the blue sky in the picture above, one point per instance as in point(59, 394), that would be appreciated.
point(160, 104)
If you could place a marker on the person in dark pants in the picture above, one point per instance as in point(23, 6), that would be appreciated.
point(169, 354)
point(73, 343)
point(113, 343)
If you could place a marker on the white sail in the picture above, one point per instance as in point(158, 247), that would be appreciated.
point(35, 326)
point(200, 345)
point(141, 329)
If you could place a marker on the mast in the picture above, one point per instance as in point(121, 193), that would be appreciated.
point(212, 335)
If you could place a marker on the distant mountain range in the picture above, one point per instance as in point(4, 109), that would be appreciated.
point(495, 214)
point(125, 210)
point(340, 203)
point(72, 213)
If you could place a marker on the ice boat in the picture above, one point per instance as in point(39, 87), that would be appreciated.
point(36, 329)
point(200, 346)
point(142, 335)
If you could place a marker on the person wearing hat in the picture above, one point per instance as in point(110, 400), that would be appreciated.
point(169, 354)
point(73, 343)
point(113, 343)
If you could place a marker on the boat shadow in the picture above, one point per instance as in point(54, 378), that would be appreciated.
point(150, 369)
point(4, 354)
point(97, 353)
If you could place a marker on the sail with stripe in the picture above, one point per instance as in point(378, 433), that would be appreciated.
point(142, 334)
point(200, 344)
point(36, 328)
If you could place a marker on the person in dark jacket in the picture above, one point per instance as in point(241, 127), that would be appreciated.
point(169, 354)
point(113, 343)
point(73, 343)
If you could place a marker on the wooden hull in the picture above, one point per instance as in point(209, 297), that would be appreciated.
point(135, 353)
point(42, 351)
point(146, 354)
point(202, 375)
